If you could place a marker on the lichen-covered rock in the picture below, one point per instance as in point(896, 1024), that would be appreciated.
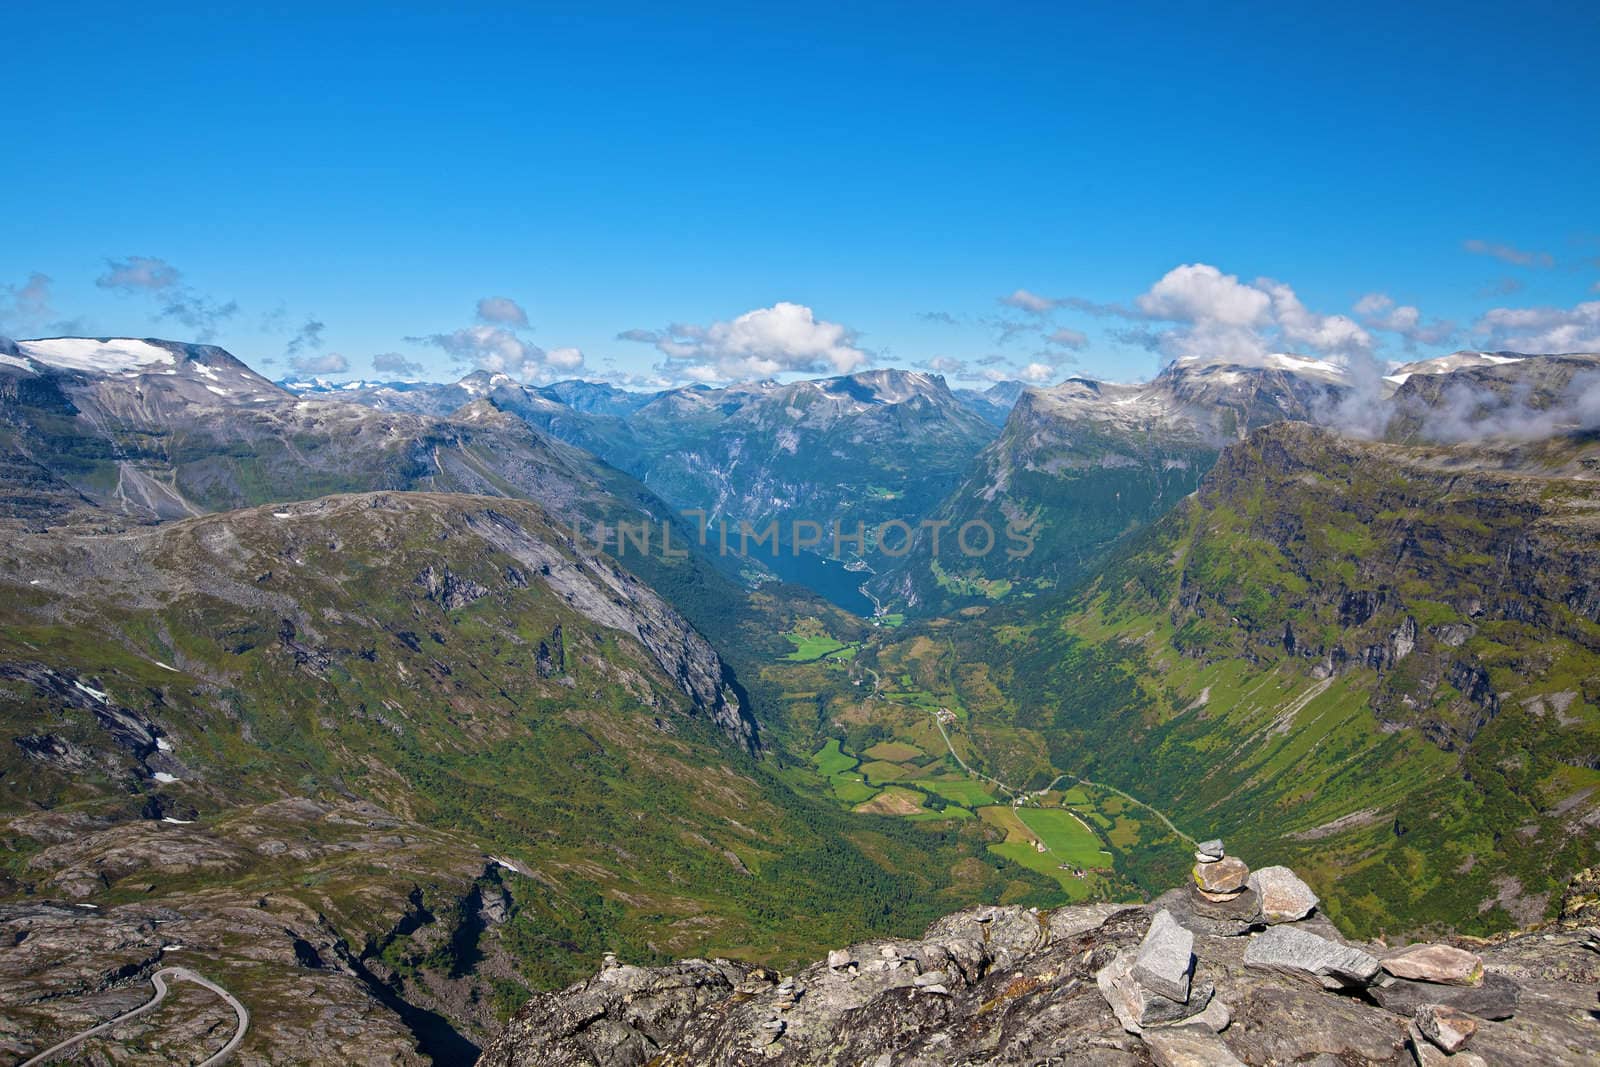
point(1227, 875)
point(1165, 961)
point(1495, 997)
point(1137, 1006)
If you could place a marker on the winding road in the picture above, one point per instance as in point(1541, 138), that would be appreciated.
point(1157, 812)
point(159, 980)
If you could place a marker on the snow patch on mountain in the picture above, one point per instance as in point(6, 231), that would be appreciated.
point(109, 356)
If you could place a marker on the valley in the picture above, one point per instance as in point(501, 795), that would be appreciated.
point(672, 535)
point(375, 709)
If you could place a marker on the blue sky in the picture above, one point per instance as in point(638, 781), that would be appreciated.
point(752, 189)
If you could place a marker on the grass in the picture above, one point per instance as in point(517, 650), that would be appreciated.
point(968, 792)
point(894, 751)
point(810, 647)
point(831, 759)
point(1068, 840)
point(884, 771)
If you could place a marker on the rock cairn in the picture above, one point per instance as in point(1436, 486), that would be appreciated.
point(1236, 966)
point(1440, 986)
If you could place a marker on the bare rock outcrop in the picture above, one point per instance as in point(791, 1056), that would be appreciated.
point(1093, 984)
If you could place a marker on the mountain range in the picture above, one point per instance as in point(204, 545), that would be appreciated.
point(396, 703)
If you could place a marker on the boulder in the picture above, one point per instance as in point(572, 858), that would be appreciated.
point(1211, 850)
point(1137, 1007)
point(1227, 875)
point(1283, 896)
point(1165, 961)
point(1292, 951)
point(1444, 964)
point(1495, 998)
point(1449, 1028)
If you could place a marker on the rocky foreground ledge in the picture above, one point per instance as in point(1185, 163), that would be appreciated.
point(1244, 971)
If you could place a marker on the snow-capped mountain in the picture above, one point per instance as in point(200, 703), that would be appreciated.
point(164, 372)
point(110, 430)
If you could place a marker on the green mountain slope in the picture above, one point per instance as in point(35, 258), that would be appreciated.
point(423, 748)
point(1379, 663)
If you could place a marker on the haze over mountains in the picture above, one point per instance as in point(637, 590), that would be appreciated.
point(359, 690)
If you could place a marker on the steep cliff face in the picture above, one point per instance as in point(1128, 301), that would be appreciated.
point(1380, 660)
point(1376, 556)
point(1083, 464)
point(864, 448)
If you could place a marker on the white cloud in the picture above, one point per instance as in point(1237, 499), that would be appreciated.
point(25, 306)
point(488, 348)
point(1218, 316)
point(306, 339)
point(955, 368)
point(564, 358)
point(1330, 335)
point(156, 278)
point(501, 310)
point(1508, 254)
point(1037, 373)
point(1378, 311)
point(1543, 329)
point(783, 338)
point(1200, 293)
point(494, 345)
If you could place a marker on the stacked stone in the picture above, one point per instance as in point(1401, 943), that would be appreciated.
point(1155, 986)
point(1218, 876)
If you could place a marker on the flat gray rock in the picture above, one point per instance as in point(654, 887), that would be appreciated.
point(1283, 897)
point(1165, 961)
point(1212, 848)
point(1495, 998)
point(1189, 1048)
point(1293, 951)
